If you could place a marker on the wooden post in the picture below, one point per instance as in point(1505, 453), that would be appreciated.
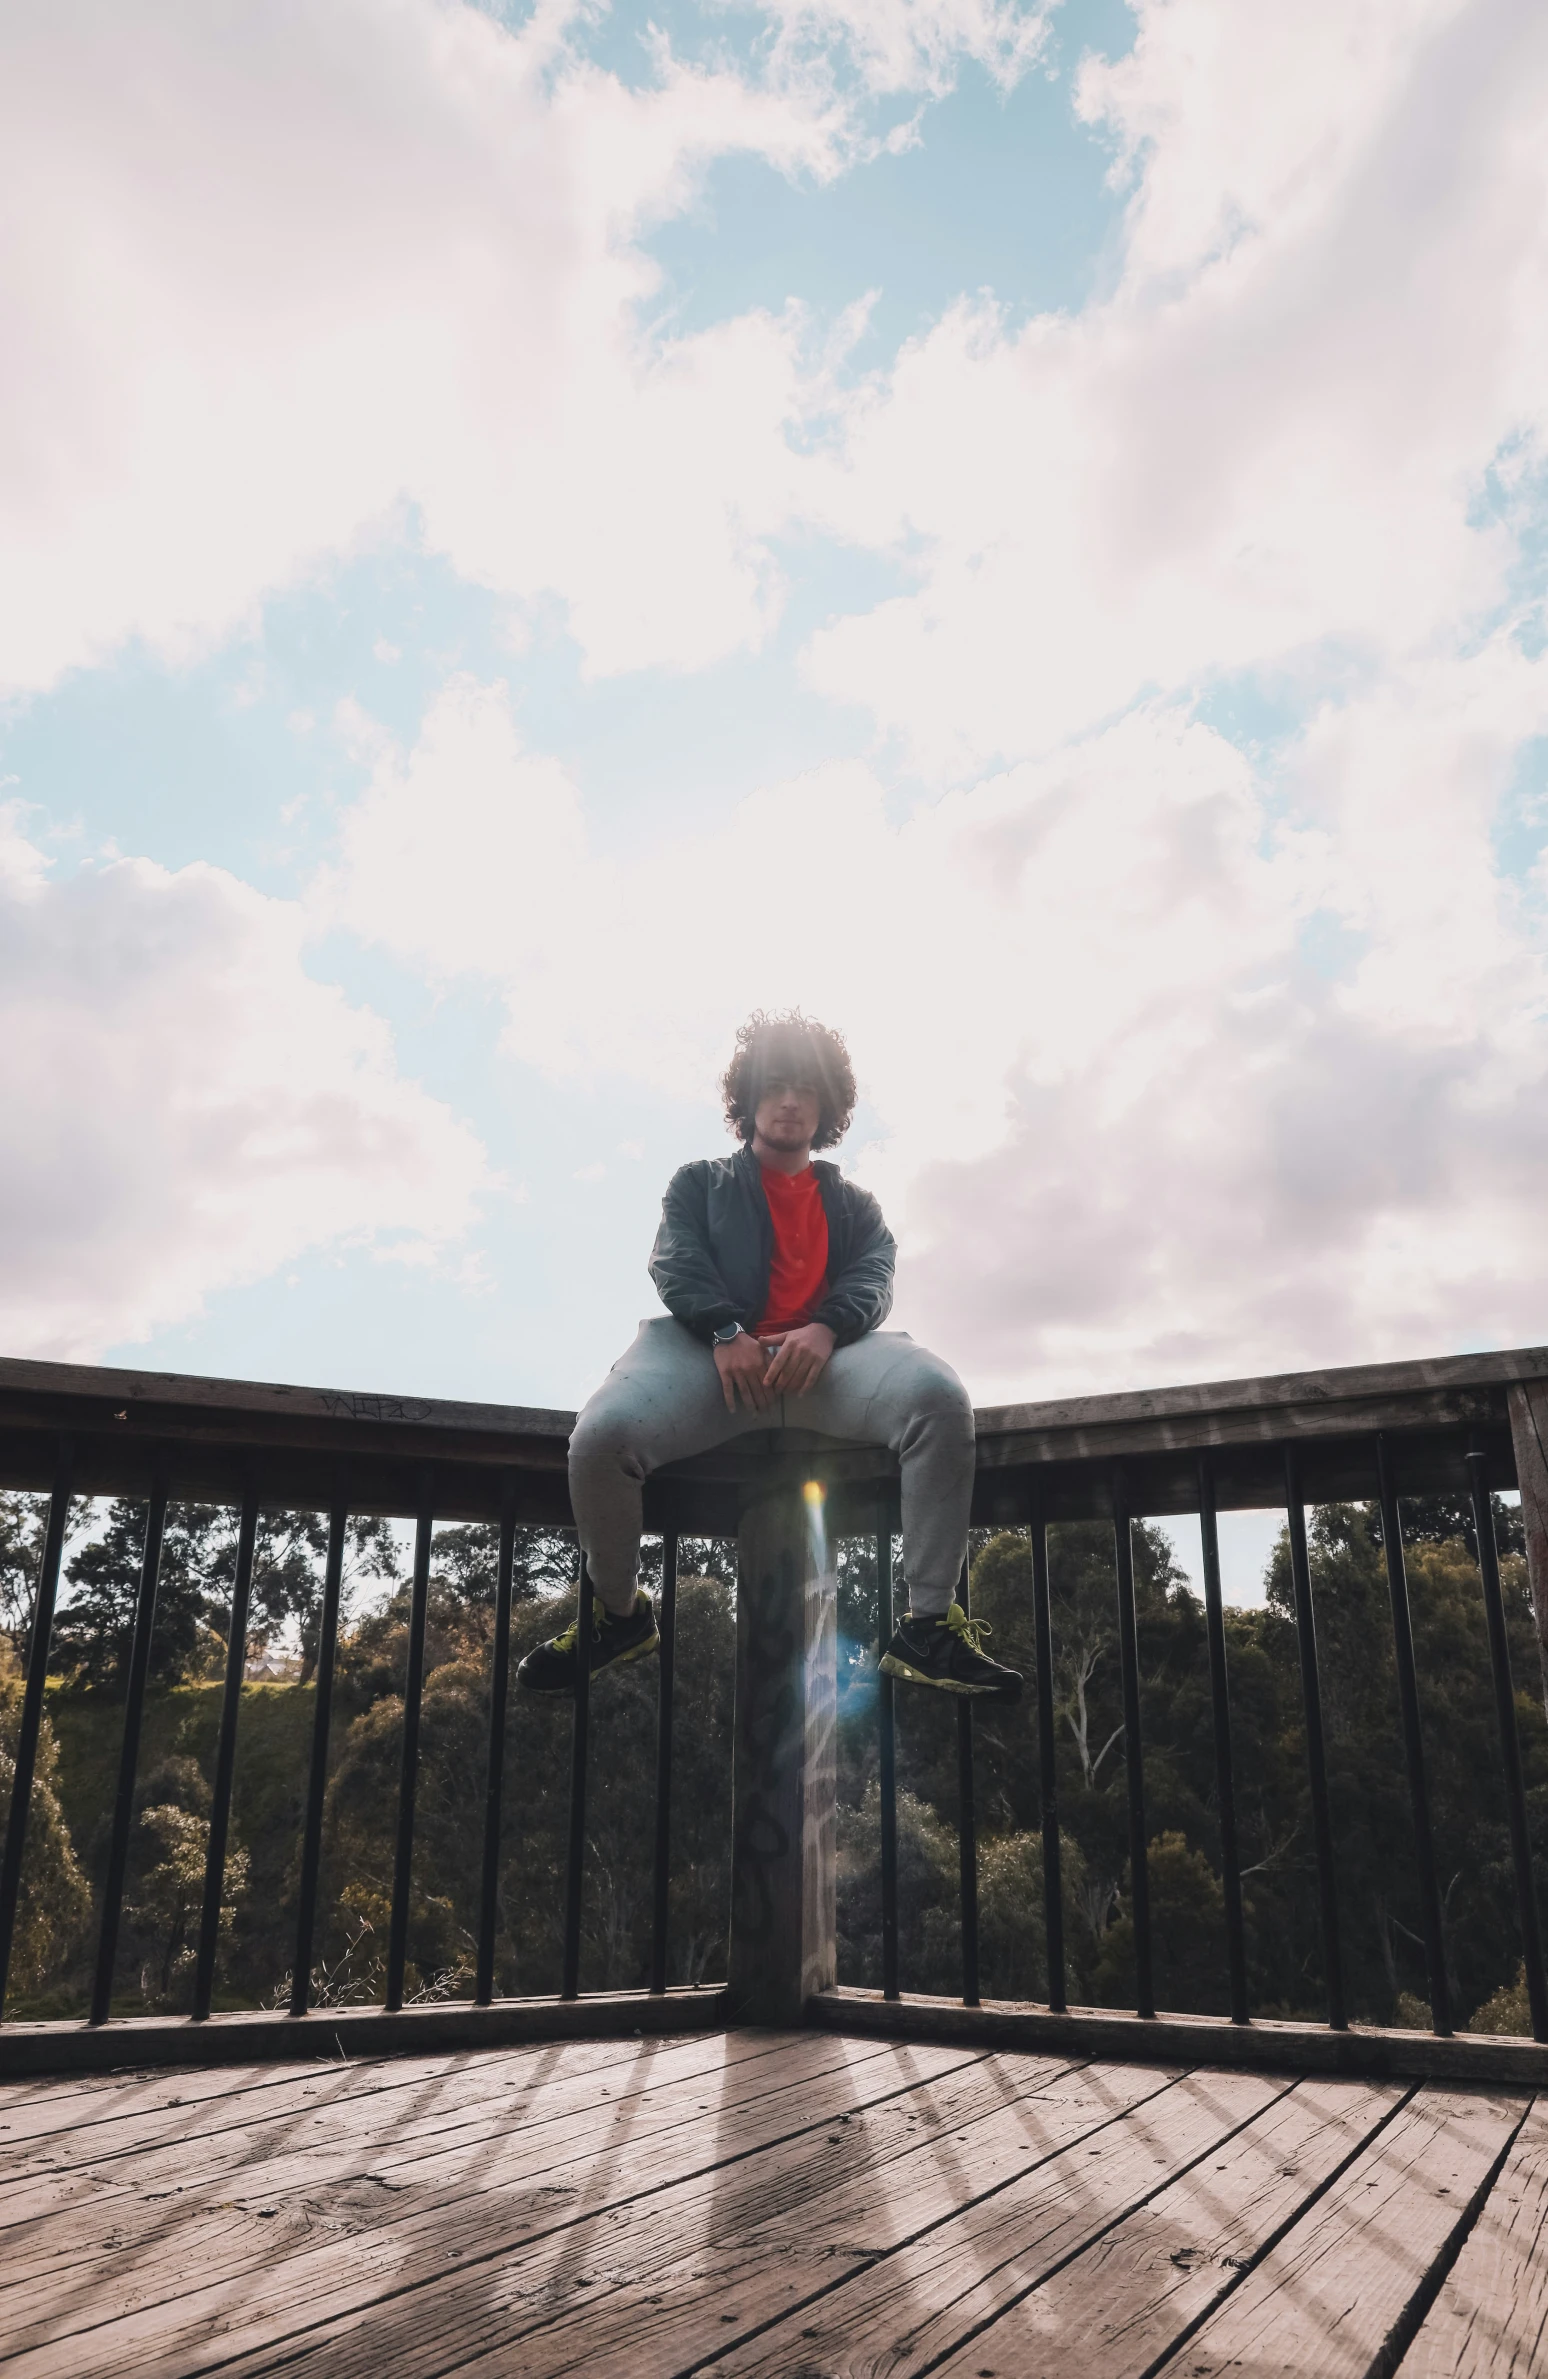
point(1529, 1432)
point(784, 1839)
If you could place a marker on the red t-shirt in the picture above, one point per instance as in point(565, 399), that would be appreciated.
point(798, 1275)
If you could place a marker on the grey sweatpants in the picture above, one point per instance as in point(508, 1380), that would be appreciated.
point(662, 1401)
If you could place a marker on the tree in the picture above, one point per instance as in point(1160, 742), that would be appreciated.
point(361, 1808)
point(928, 1918)
point(164, 1911)
point(94, 1627)
point(289, 1567)
point(23, 1521)
point(55, 1903)
point(1187, 1935)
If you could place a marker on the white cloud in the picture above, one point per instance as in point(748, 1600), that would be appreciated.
point(1189, 1061)
point(272, 272)
point(915, 45)
point(1269, 444)
point(1241, 124)
point(1134, 1130)
point(186, 1108)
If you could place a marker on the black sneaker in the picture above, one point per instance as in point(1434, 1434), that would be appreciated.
point(550, 1667)
point(948, 1654)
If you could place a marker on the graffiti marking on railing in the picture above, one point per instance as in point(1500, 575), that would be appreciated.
point(373, 1408)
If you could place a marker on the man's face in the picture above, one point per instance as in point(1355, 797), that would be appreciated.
point(788, 1113)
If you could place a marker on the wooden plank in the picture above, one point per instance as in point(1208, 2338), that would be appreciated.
point(450, 2106)
point(155, 2213)
point(784, 1841)
point(124, 1421)
point(1029, 2125)
point(155, 2108)
point(37, 2095)
point(1139, 2288)
point(38, 1397)
point(1341, 1384)
point(81, 2113)
point(647, 2287)
point(1360, 2054)
point(1334, 2299)
point(58, 2225)
point(53, 2216)
point(495, 2198)
point(361, 2207)
point(250, 2036)
point(151, 1395)
point(876, 2320)
point(27, 1384)
point(1434, 1416)
point(1490, 2320)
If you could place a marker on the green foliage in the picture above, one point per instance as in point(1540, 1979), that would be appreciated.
point(288, 1570)
point(94, 1628)
point(163, 1905)
point(1505, 2010)
point(23, 1519)
point(927, 1894)
point(1368, 1783)
point(55, 1903)
point(1367, 1777)
point(1187, 1935)
point(360, 1815)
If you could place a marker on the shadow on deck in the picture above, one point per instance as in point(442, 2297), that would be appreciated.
point(791, 2205)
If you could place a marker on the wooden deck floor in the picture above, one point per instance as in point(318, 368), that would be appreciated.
point(789, 2206)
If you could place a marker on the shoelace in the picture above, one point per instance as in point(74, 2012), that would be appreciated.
point(972, 1631)
point(571, 1635)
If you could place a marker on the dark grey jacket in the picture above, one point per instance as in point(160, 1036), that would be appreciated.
point(712, 1254)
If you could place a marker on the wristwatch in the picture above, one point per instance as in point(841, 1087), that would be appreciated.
point(727, 1331)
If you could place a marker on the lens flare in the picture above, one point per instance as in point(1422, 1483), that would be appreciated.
point(816, 1525)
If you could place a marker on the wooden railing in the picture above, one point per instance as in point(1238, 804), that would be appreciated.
point(1469, 1425)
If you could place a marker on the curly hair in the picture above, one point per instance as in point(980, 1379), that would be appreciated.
point(800, 1049)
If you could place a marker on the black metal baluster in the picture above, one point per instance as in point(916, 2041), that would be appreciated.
point(317, 1780)
point(665, 1679)
point(1225, 1774)
point(887, 1770)
point(967, 1832)
point(574, 1871)
point(408, 1779)
point(32, 1702)
point(1510, 1744)
point(1133, 1748)
point(494, 1781)
point(1048, 1771)
point(1413, 1745)
point(1316, 1755)
point(129, 1753)
point(225, 1755)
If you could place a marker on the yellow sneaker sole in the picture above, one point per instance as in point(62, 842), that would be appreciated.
point(893, 1667)
point(650, 1643)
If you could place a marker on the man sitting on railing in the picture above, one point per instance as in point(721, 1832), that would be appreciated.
point(776, 1273)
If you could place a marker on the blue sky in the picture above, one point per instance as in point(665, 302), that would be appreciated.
point(530, 535)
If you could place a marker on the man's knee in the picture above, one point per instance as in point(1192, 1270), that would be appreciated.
point(938, 1402)
point(606, 1436)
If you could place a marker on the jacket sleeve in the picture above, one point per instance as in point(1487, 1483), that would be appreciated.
point(684, 1271)
point(860, 1298)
